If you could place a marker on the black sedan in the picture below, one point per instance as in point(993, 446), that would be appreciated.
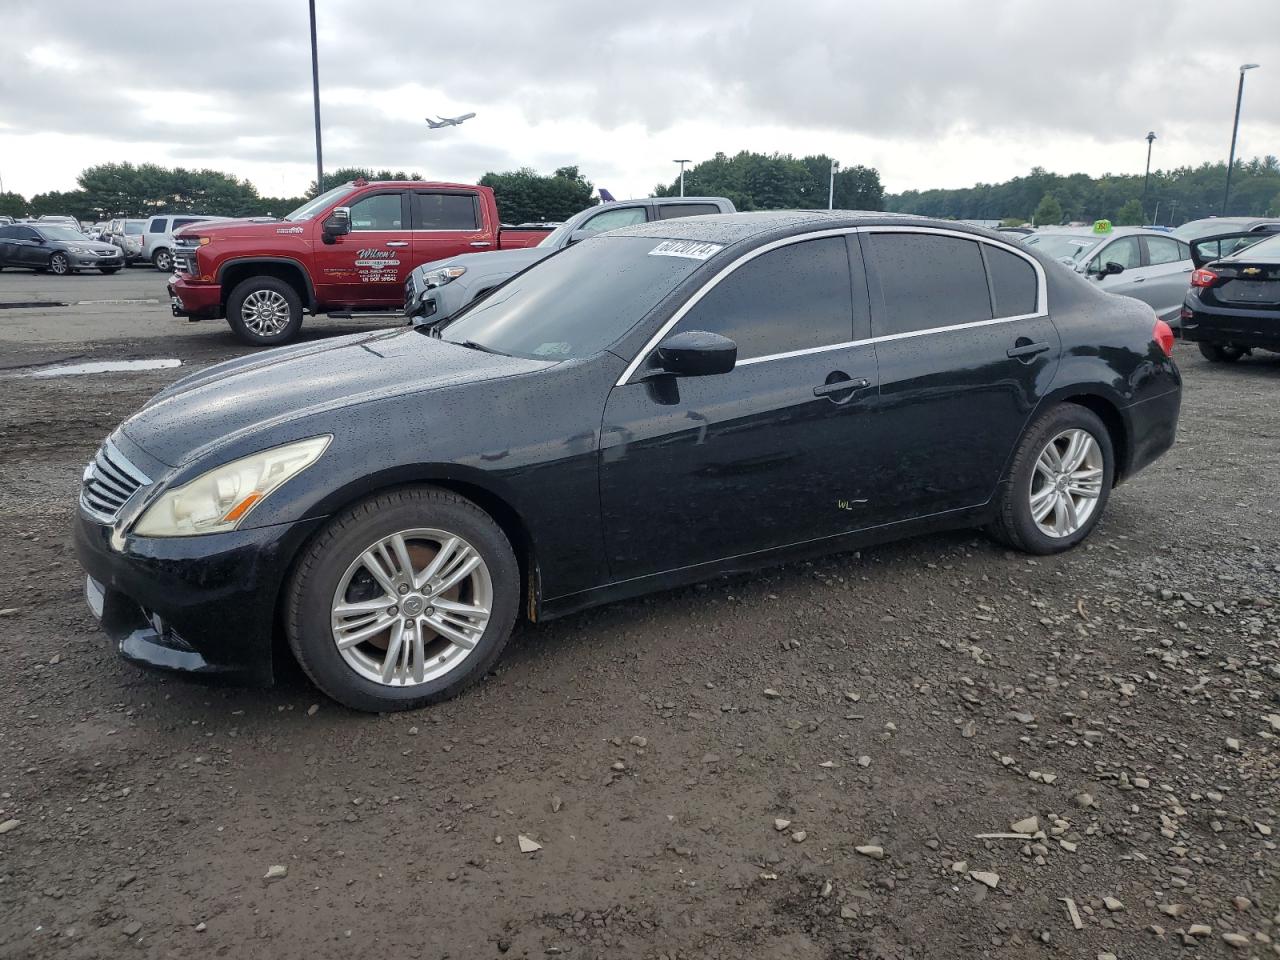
point(651, 407)
point(56, 249)
point(1233, 306)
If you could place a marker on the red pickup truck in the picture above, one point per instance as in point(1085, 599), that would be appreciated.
point(348, 251)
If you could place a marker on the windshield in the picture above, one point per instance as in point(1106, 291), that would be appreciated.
point(574, 303)
point(312, 207)
point(555, 237)
point(60, 233)
point(1062, 245)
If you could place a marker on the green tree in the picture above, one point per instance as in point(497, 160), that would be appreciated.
point(71, 203)
point(778, 181)
point(1013, 221)
point(1130, 215)
point(1274, 209)
point(337, 178)
point(526, 195)
point(1048, 211)
point(13, 204)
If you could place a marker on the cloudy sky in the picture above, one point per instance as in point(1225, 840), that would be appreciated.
point(930, 92)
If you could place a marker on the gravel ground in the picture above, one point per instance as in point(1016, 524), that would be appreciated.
point(799, 764)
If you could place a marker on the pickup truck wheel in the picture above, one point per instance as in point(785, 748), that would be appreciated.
point(264, 311)
point(163, 260)
point(1220, 353)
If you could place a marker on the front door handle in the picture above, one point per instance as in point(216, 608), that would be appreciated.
point(1024, 348)
point(842, 385)
point(1139, 279)
point(397, 243)
point(481, 243)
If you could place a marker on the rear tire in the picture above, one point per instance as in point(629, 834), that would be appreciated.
point(1220, 353)
point(264, 311)
point(162, 260)
point(332, 579)
point(1047, 503)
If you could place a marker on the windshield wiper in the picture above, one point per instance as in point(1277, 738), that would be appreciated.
point(480, 346)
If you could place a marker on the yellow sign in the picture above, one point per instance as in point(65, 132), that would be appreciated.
point(1102, 226)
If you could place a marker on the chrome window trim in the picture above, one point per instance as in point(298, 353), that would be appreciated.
point(1042, 294)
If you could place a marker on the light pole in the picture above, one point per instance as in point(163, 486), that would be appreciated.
point(1151, 138)
point(831, 189)
point(315, 95)
point(682, 163)
point(1235, 128)
point(1173, 206)
point(1155, 217)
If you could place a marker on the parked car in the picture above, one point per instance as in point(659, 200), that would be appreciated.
point(55, 219)
point(1148, 265)
point(1233, 306)
point(127, 235)
point(55, 248)
point(158, 232)
point(98, 231)
point(1216, 226)
point(347, 251)
point(5, 219)
point(650, 407)
point(437, 290)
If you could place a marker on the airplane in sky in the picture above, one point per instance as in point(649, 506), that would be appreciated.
point(447, 121)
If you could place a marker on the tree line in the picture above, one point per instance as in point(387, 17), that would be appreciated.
point(779, 181)
point(1173, 196)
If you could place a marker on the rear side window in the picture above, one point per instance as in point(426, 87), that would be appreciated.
point(1013, 282)
point(1162, 250)
point(7, 233)
point(670, 211)
point(928, 281)
point(445, 211)
point(133, 229)
point(158, 226)
point(793, 298)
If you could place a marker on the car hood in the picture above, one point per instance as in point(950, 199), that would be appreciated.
point(244, 227)
point(254, 394)
point(494, 261)
point(97, 246)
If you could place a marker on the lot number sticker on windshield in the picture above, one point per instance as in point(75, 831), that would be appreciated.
point(685, 248)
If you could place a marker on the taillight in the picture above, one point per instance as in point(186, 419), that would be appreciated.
point(1162, 334)
point(1203, 278)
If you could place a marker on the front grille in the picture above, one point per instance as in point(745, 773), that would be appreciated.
point(109, 481)
point(409, 290)
point(184, 256)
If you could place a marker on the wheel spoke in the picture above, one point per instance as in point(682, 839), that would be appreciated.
point(437, 563)
point(402, 558)
point(373, 563)
point(353, 636)
point(1078, 447)
point(392, 657)
point(363, 606)
point(419, 656)
point(1068, 519)
point(456, 609)
point(1040, 508)
point(450, 632)
point(468, 562)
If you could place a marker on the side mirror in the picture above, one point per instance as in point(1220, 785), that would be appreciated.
point(697, 353)
point(337, 224)
point(1110, 269)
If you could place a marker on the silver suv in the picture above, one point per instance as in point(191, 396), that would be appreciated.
point(157, 236)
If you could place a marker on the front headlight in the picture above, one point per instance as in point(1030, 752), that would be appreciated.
point(217, 501)
point(438, 278)
point(76, 248)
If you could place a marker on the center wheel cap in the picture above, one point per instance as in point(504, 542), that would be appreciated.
point(412, 606)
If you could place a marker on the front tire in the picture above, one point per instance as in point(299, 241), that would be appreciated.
point(264, 311)
point(403, 600)
point(162, 260)
point(1058, 483)
point(59, 265)
point(1220, 353)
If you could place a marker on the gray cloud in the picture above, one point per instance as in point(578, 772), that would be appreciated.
point(900, 71)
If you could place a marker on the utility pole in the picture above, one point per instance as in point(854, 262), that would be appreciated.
point(1151, 138)
point(1235, 128)
point(831, 189)
point(682, 163)
point(315, 95)
point(1155, 217)
point(1173, 205)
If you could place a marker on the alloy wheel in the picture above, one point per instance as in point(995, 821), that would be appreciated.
point(164, 261)
point(1066, 483)
point(59, 264)
point(265, 312)
point(411, 607)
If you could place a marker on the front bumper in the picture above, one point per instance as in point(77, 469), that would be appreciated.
point(199, 301)
point(204, 605)
point(95, 262)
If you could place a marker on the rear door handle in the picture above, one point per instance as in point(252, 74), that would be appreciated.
point(481, 243)
point(841, 386)
point(1025, 348)
point(397, 243)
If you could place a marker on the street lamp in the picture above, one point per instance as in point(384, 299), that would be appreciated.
point(831, 189)
point(1235, 127)
point(315, 95)
point(682, 163)
point(1151, 138)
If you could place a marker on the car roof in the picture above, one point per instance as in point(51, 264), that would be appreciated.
point(1089, 232)
point(730, 228)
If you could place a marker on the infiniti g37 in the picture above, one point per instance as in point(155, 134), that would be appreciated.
point(651, 407)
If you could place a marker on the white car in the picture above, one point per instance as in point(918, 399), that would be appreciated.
point(1149, 265)
point(157, 236)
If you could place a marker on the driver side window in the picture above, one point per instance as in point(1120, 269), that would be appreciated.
point(1123, 251)
point(381, 211)
point(613, 219)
